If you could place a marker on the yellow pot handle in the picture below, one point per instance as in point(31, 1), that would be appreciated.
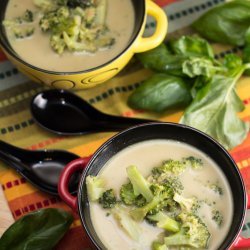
point(147, 43)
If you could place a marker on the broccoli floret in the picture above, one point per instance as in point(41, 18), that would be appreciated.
point(187, 204)
point(194, 162)
point(173, 183)
point(169, 167)
point(217, 217)
point(159, 246)
point(139, 214)
point(193, 233)
point(127, 194)
point(196, 206)
point(165, 222)
point(65, 31)
point(140, 185)
point(73, 45)
point(126, 222)
point(108, 199)
point(216, 188)
point(140, 201)
point(73, 25)
point(56, 21)
point(162, 197)
point(80, 3)
point(69, 38)
point(28, 16)
point(20, 26)
point(23, 32)
point(95, 187)
point(57, 43)
point(129, 198)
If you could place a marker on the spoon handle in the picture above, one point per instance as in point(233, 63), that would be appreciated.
point(11, 161)
point(117, 123)
point(12, 155)
point(11, 150)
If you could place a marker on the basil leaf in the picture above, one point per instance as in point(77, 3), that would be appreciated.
point(247, 36)
point(159, 93)
point(199, 83)
point(232, 61)
point(226, 23)
point(192, 46)
point(246, 58)
point(160, 60)
point(199, 67)
point(40, 230)
point(214, 111)
point(246, 54)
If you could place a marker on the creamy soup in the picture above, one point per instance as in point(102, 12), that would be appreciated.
point(37, 51)
point(145, 156)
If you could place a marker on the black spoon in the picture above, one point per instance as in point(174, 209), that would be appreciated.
point(63, 112)
point(42, 167)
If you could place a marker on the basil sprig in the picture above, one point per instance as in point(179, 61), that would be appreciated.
point(186, 69)
point(214, 109)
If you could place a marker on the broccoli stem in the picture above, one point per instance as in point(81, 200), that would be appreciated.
point(138, 214)
point(126, 222)
point(165, 222)
point(139, 183)
point(101, 12)
point(179, 239)
point(95, 187)
point(158, 246)
point(193, 233)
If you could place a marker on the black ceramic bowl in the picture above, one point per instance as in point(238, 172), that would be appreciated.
point(97, 75)
point(151, 131)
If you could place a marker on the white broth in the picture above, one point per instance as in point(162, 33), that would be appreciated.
point(36, 49)
point(147, 155)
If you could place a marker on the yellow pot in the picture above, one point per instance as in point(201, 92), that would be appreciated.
point(92, 77)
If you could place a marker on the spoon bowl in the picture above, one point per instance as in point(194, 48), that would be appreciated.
point(42, 168)
point(63, 112)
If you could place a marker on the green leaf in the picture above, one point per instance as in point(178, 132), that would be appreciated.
point(191, 46)
point(246, 54)
point(160, 92)
point(226, 23)
point(232, 61)
point(199, 83)
point(246, 58)
point(40, 230)
point(199, 67)
point(214, 111)
point(247, 36)
point(161, 60)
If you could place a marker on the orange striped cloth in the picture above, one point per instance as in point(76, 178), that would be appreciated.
point(18, 127)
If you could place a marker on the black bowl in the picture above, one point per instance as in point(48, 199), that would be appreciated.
point(175, 132)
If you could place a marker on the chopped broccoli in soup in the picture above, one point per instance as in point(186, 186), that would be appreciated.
point(158, 201)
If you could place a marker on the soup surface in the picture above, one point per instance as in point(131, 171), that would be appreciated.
point(37, 51)
point(147, 155)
